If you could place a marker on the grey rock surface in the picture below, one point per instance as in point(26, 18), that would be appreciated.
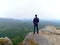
point(47, 36)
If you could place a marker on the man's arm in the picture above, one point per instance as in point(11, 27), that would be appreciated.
point(33, 21)
point(38, 19)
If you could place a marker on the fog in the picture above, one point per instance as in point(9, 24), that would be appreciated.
point(26, 9)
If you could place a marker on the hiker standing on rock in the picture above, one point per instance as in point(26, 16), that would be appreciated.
point(35, 22)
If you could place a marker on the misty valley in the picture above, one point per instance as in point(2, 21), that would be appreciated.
point(16, 30)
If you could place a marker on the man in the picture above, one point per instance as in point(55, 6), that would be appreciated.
point(35, 22)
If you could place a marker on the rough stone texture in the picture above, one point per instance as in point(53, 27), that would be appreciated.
point(47, 36)
point(5, 41)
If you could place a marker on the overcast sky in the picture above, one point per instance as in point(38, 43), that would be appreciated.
point(26, 9)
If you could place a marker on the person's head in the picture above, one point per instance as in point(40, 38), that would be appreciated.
point(35, 15)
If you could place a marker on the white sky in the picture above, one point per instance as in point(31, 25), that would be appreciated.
point(26, 9)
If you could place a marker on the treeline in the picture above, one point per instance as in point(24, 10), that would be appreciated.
point(16, 30)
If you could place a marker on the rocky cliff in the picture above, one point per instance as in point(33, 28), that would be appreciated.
point(49, 35)
point(5, 41)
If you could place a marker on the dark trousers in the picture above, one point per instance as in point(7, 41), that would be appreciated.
point(36, 27)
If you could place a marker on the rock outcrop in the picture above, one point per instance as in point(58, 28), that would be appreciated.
point(5, 41)
point(47, 36)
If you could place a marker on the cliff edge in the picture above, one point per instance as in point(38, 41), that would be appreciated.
point(49, 35)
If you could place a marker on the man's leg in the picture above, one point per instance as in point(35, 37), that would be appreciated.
point(37, 29)
point(34, 29)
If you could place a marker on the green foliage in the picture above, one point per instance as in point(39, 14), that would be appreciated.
point(16, 30)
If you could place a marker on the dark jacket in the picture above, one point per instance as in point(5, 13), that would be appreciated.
point(35, 20)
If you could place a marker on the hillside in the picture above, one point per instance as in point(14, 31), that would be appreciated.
point(16, 30)
point(48, 36)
